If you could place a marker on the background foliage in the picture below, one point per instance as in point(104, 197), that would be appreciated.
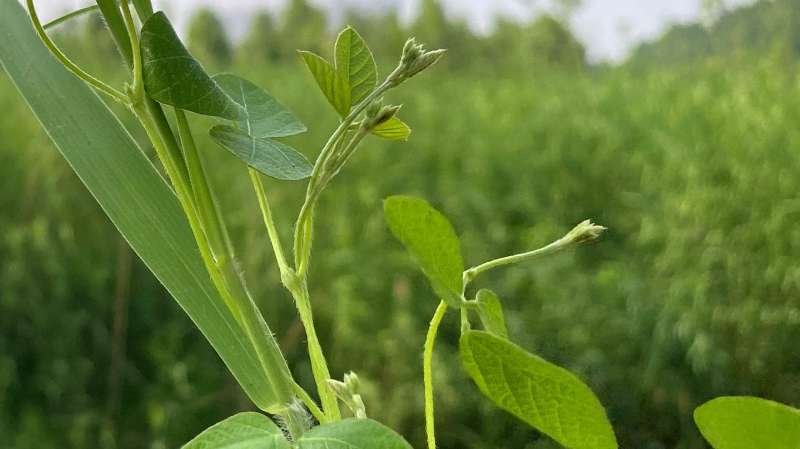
point(688, 152)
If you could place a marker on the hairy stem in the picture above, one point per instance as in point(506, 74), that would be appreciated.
point(319, 367)
point(427, 372)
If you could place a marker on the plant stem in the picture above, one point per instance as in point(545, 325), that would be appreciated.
point(71, 66)
point(240, 303)
point(583, 232)
point(71, 15)
point(310, 404)
point(319, 367)
point(427, 372)
point(266, 213)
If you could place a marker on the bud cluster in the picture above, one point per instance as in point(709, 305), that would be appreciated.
point(348, 393)
point(414, 60)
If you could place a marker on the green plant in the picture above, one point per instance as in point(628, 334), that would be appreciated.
point(255, 119)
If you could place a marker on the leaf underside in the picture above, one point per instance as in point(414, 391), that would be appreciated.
point(748, 423)
point(546, 396)
point(432, 242)
point(129, 189)
point(264, 115)
point(173, 77)
point(268, 156)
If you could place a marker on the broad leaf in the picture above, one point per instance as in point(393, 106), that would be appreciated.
point(268, 156)
point(432, 242)
point(263, 115)
point(335, 88)
point(748, 423)
point(355, 64)
point(352, 434)
point(241, 431)
point(490, 311)
point(392, 129)
point(172, 76)
point(547, 397)
point(130, 191)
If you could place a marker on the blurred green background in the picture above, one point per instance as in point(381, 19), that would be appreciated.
point(688, 151)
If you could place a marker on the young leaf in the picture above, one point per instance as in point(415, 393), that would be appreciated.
point(432, 242)
point(392, 129)
point(268, 156)
point(352, 434)
point(490, 312)
point(549, 398)
point(263, 115)
point(748, 423)
point(355, 64)
point(172, 76)
point(335, 88)
point(135, 197)
point(241, 431)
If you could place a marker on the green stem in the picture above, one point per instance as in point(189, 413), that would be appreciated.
point(427, 372)
point(319, 366)
point(266, 214)
point(71, 15)
point(233, 294)
point(310, 404)
point(583, 232)
point(71, 66)
point(203, 197)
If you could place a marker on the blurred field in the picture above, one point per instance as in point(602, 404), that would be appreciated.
point(694, 292)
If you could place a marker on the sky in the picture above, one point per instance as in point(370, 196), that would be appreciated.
point(609, 29)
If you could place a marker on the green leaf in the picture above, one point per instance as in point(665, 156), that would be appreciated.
point(490, 312)
point(335, 88)
point(172, 76)
point(432, 242)
point(263, 115)
point(392, 129)
point(131, 192)
point(748, 423)
point(241, 431)
point(268, 156)
point(548, 397)
point(352, 434)
point(355, 64)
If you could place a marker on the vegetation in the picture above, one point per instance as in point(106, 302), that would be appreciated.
point(696, 276)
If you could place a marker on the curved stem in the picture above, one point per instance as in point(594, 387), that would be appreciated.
point(427, 372)
point(71, 15)
point(71, 66)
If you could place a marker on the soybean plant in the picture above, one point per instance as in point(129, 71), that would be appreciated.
point(176, 226)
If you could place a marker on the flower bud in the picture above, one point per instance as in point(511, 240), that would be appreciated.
point(585, 231)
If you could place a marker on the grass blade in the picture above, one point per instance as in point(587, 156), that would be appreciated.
point(128, 188)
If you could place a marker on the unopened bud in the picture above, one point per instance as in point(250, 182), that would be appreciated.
point(585, 231)
point(414, 60)
point(378, 113)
